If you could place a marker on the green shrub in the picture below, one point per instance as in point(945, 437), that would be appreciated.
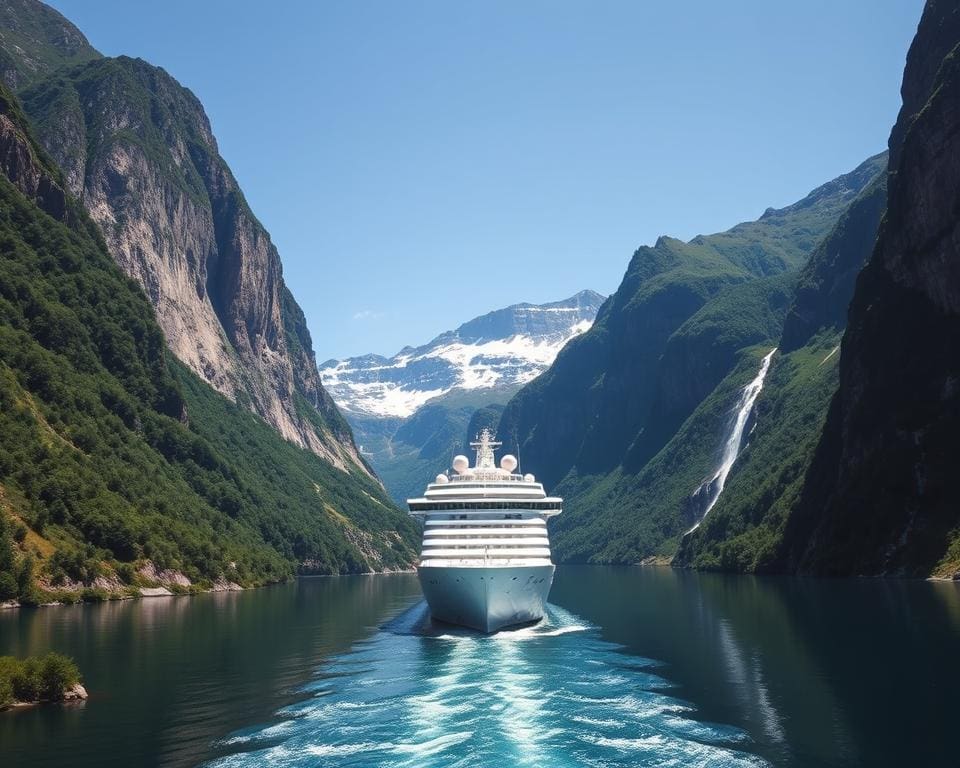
point(8, 586)
point(25, 680)
point(56, 674)
point(35, 679)
point(6, 692)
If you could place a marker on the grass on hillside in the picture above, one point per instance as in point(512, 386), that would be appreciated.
point(744, 530)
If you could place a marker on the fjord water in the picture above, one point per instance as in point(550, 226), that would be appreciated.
point(633, 666)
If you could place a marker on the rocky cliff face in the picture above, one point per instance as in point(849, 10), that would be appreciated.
point(118, 458)
point(20, 162)
point(136, 147)
point(881, 496)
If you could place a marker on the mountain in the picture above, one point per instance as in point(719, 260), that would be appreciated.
point(880, 496)
point(137, 149)
point(629, 422)
point(119, 467)
point(595, 401)
point(411, 413)
point(35, 40)
point(825, 284)
point(744, 531)
point(501, 350)
point(848, 471)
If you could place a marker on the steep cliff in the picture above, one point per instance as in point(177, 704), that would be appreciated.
point(136, 147)
point(825, 284)
point(115, 460)
point(881, 495)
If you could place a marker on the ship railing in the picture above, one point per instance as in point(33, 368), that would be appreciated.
point(482, 476)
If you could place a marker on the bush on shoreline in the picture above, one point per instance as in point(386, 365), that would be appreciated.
point(37, 678)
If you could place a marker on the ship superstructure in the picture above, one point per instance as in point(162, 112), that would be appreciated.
point(485, 561)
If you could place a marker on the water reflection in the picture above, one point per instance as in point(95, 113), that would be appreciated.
point(818, 672)
point(635, 666)
point(169, 676)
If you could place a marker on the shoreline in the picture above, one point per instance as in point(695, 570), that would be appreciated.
point(77, 596)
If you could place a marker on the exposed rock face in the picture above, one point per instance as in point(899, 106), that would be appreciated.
point(136, 147)
point(75, 692)
point(35, 40)
point(19, 162)
point(882, 496)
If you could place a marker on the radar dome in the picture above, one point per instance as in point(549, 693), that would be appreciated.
point(509, 462)
point(460, 463)
point(528, 478)
point(442, 479)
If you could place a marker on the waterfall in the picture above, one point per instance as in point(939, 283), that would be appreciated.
point(710, 490)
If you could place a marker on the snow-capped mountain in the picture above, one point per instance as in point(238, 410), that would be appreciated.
point(502, 349)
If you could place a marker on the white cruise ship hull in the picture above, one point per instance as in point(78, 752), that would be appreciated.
point(486, 598)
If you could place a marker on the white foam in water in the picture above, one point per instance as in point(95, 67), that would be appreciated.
point(433, 746)
point(402, 698)
point(341, 750)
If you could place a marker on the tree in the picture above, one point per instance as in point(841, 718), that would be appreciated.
point(57, 673)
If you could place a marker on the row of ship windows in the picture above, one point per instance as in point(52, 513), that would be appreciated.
point(432, 541)
point(442, 535)
point(457, 525)
point(440, 506)
point(496, 548)
point(467, 484)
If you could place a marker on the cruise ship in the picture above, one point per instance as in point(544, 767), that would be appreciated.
point(485, 561)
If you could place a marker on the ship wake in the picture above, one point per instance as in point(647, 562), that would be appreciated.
point(421, 694)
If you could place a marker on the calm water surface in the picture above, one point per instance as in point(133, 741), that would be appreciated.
point(632, 667)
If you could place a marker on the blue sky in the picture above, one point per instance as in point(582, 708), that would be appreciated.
point(420, 163)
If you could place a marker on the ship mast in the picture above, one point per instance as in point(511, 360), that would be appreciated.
point(485, 445)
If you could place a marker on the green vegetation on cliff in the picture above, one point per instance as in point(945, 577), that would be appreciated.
point(649, 510)
point(35, 40)
point(111, 454)
point(631, 418)
point(743, 532)
point(600, 395)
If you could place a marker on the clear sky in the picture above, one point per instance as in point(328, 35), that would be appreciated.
point(419, 163)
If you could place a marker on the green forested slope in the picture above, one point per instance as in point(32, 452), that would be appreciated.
point(596, 400)
point(110, 456)
point(631, 417)
point(745, 529)
point(743, 532)
point(35, 40)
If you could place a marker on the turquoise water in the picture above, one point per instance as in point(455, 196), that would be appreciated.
point(551, 695)
point(632, 667)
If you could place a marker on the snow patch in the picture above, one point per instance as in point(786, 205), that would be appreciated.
point(398, 387)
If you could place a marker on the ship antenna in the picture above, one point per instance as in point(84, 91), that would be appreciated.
point(485, 445)
point(516, 442)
